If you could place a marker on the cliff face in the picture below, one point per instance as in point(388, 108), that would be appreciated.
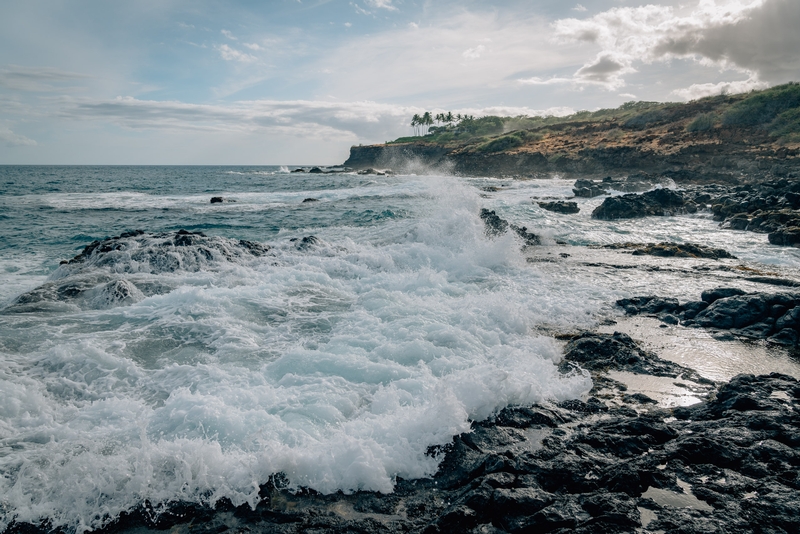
point(701, 158)
point(747, 136)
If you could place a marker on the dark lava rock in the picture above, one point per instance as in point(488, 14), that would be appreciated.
point(676, 250)
point(495, 226)
point(772, 316)
point(316, 170)
point(217, 200)
point(306, 242)
point(602, 352)
point(785, 236)
point(656, 202)
point(738, 452)
point(711, 295)
point(103, 274)
point(588, 188)
point(560, 207)
point(310, 200)
point(299, 170)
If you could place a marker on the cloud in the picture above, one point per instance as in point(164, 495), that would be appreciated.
point(231, 54)
point(11, 139)
point(700, 90)
point(606, 70)
point(381, 4)
point(352, 121)
point(40, 79)
point(251, 46)
point(229, 35)
point(473, 53)
point(579, 7)
point(756, 37)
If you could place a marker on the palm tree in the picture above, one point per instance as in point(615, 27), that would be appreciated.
point(427, 120)
point(449, 117)
point(416, 121)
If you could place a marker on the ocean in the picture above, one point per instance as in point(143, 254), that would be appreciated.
point(336, 328)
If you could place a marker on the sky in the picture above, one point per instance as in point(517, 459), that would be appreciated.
point(290, 82)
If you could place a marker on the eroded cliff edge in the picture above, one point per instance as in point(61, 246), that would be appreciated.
point(727, 138)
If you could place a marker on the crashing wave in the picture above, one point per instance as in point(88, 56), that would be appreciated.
point(113, 272)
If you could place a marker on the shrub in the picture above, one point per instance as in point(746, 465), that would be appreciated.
point(500, 144)
point(702, 123)
point(787, 125)
point(763, 107)
point(643, 120)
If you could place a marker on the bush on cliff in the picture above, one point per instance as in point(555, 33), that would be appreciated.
point(763, 107)
point(702, 123)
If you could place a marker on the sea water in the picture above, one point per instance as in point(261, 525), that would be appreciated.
point(340, 361)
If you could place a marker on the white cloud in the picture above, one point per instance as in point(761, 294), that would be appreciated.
point(381, 4)
point(579, 7)
point(350, 121)
point(756, 37)
point(41, 79)
point(473, 53)
point(229, 35)
point(231, 54)
point(700, 90)
point(11, 139)
point(251, 46)
point(628, 95)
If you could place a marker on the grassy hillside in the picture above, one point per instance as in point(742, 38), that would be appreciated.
point(771, 116)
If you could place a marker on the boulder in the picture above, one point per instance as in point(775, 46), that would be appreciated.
point(658, 202)
point(588, 188)
point(310, 200)
point(734, 312)
point(711, 295)
point(560, 207)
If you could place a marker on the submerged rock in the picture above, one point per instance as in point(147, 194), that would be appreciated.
point(588, 188)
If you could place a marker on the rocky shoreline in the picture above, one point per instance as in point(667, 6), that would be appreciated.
point(619, 460)
point(615, 462)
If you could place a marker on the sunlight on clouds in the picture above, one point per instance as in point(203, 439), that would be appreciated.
point(700, 90)
point(755, 37)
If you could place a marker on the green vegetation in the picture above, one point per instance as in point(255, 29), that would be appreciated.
point(775, 110)
point(702, 123)
point(762, 107)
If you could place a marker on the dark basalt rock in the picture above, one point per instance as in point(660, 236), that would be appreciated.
point(560, 207)
point(495, 226)
point(588, 188)
point(217, 200)
point(771, 316)
point(658, 202)
point(306, 242)
point(316, 170)
point(673, 250)
point(106, 272)
point(738, 452)
point(310, 200)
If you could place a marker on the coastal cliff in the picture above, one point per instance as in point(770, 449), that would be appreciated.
point(726, 138)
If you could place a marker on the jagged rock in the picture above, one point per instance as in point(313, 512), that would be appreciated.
point(316, 170)
point(678, 250)
point(657, 202)
point(588, 188)
point(712, 295)
point(217, 200)
point(305, 200)
point(787, 237)
point(495, 225)
point(560, 207)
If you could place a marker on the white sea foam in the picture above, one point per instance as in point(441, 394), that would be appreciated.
point(338, 365)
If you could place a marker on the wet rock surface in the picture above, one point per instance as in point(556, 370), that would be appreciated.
point(560, 207)
point(113, 271)
point(771, 316)
point(673, 250)
point(728, 464)
point(496, 225)
point(658, 202)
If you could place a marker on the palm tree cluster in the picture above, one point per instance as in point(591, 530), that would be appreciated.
point(421, 123)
